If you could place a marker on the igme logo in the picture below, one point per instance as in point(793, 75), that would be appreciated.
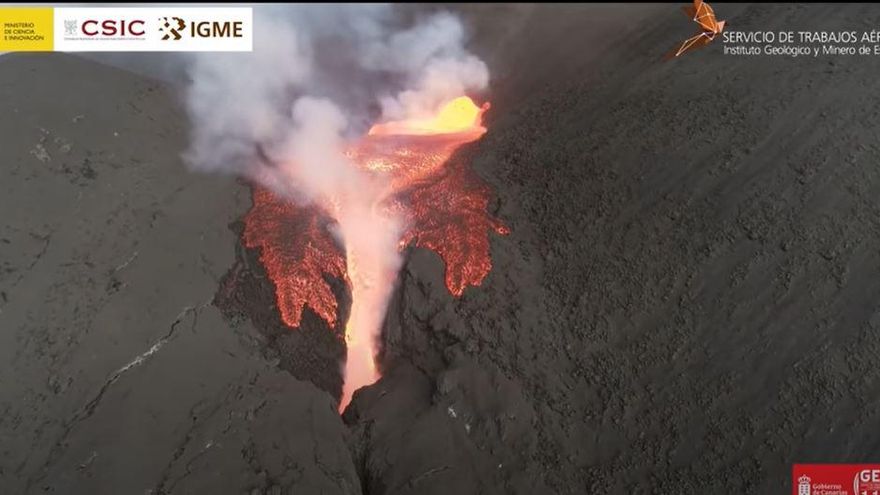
point(217, 29)
point(172, 27)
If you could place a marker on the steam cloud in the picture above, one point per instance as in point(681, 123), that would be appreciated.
point(350, 65)
point(281, 115)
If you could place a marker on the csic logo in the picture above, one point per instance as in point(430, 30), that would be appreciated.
point(171, 27)
point(104, 28)
point(174, 28)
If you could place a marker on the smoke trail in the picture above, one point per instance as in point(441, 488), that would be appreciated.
point(282, 115)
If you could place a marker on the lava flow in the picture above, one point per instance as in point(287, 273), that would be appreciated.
point(439, 204)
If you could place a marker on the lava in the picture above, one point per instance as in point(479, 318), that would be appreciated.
point(297, 252)
point(442, 205)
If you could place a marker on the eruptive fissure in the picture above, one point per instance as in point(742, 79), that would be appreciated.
point(423, 199)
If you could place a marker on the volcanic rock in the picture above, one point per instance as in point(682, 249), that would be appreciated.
point(686, 301)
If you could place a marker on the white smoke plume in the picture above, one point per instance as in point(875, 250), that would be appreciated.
point(362, 59)
point(282, 115)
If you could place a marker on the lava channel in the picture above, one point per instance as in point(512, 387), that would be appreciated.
point(443, 204)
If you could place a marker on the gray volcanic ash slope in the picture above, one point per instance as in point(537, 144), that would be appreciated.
point(686, 303)
point(118, 375)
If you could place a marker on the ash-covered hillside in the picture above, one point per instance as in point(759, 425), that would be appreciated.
point(686, 301)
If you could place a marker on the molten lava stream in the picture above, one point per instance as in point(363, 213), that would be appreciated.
point(372, 263)
point(442, 205)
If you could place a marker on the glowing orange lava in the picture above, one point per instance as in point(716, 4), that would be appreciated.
point(458, 115)
point(297, 252)
point(443, 204)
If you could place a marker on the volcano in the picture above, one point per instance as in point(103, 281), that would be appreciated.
point(686, 301)
point(443, 207)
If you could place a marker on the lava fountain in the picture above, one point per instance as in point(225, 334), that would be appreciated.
point(424, 199)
